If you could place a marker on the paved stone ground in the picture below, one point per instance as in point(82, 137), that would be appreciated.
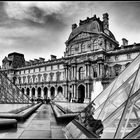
point(40, 125)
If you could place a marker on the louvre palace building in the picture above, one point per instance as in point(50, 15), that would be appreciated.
point(92, 59)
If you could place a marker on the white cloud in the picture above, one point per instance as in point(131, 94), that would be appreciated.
point(20, 10)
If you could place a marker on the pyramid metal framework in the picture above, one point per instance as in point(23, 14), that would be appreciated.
point(10, 93)
point(118, 106)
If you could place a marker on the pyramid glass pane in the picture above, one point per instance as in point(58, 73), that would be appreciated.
point(10, 93)
point(135, 90)
point(136, 84)
point(117, 98)
point(134, 134)
point(111, 124)
point(131, 118)
point(125, 87)
point(126, 73)
point(102, 97)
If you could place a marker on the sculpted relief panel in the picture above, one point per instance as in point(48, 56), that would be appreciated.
point(99, 44)
point(81, 36)
point(93, 44)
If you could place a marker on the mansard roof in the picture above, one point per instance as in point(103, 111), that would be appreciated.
point(93, 25)
point(15, 53)
point(89, 25)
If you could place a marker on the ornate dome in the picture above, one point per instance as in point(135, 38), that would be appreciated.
point(92, 26)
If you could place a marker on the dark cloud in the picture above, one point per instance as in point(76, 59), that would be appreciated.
point(41, 29)
point(55, 21)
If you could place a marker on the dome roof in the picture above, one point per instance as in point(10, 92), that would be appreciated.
point(92, 26)
point(110, 34)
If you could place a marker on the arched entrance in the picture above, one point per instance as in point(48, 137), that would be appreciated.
point(45, 92)
point(22, 90)
point(52, 90)
point(60, 90)
point(81, 93)
point(39, 92)
point(28, 91)
point(33, 92)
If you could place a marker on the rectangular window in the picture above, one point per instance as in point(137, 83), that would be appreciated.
point(31, 71)
point(48, 68)
point(42, 68)
point(37, 70)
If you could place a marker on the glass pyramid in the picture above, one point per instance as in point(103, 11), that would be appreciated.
point(118, 106)
point(60, 98)
point(10, 93)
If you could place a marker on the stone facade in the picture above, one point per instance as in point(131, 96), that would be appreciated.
point(92, 59)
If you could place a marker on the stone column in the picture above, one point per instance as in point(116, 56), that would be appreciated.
point(87, 69)
point(30, 93)
point(64, 90)
point(98, 70)
point(87, 91)
point(49, 93)
point(71, 73)
point(74, 70)
point(101, 70)
point(55, 91)
point(36, 94)
point(86, 100)
point(72, 90)
point(42, 93)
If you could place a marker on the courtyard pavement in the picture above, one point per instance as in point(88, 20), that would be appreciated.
point(40, 125)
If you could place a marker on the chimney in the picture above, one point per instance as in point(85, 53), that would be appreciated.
point(41, 59)
point(53, 57)
point(36, 61)
point(31, 62)
point(124, 41)
point(105, 21)
point(74, 26)
point(27, 63)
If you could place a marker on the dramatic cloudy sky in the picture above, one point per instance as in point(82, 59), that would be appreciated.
point(39, 29)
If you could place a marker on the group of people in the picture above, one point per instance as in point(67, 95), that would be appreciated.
point(46, 100)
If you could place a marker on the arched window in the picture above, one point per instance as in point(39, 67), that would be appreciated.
point(19, 78)
point(39, 77)
point(28, 91)
point(94, 73)
point(33, 77)
point(117, 69)
point(58, 76)
point(81, 73)
point(45, 77)
point(51, 76)
point(28, 78)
